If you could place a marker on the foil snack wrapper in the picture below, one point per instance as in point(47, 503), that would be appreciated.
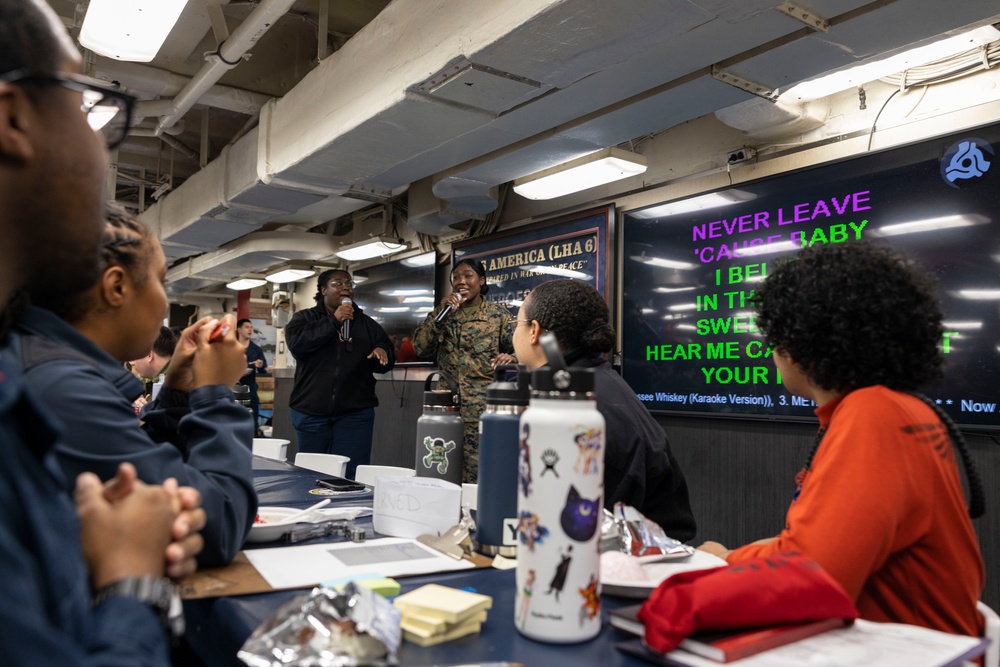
point(628, 531)
point(327, 628)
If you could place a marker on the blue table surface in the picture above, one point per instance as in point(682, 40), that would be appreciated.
point(217, 627)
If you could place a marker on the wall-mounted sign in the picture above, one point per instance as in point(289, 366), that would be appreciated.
point(574, 246)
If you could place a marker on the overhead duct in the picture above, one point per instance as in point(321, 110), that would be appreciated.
point(167, 84)
point(482, 93)
point(762, 120)
point(253, 253)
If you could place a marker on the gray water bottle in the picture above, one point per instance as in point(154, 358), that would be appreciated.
point(440, 432)
point(496, 515)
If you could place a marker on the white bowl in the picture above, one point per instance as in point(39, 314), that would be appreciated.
point(271, 530)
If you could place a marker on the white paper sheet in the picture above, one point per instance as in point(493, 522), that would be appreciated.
point(301, 567)
point(865, 644)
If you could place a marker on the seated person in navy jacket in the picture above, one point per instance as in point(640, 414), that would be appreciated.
point(72, 350)
point(53, 555)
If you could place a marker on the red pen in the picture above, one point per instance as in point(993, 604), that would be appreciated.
point(219, 333)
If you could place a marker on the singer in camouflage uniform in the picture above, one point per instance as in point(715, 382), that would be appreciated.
point(468, 343)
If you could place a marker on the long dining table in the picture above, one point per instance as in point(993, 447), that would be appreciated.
point(217, 627)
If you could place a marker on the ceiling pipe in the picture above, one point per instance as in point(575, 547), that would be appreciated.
point(167, 84)
point(140, 131)
point(226, 57)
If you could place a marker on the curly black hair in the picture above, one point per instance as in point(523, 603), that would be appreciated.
point(854, 315)
point(575, 312)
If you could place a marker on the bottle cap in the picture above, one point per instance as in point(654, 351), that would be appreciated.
point(556, 377)
point(502, 392)
point(448, 398)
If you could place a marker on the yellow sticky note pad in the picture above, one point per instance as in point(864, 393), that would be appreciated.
point(384, 586)
point(460, 630)
point(448, 604)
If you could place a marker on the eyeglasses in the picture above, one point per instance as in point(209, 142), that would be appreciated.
point(108, 111)
point(513, 322)
point(342, 283)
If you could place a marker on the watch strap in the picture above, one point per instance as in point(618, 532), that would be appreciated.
point(157, 592)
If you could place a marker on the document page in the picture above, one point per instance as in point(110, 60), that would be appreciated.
point(304, 566)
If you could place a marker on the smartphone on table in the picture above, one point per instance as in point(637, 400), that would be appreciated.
point(340, 484)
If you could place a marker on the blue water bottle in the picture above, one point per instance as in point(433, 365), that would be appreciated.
point(496, 516)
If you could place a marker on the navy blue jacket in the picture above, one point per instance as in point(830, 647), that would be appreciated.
point(333, 377)
point(250, 379)
point(46, 618)
point(91, 396)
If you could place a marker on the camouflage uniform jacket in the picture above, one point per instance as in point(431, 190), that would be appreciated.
point(464, 344)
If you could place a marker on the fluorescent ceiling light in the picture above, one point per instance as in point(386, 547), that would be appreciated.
point(711, 200)
point(377, 246)
point(870, 71)
point(962, 325)
point(246, 283)
point(687, 326)
point(426, 259)
point(517, 303)
point(555, 271)
point(129, 29)
point(394, 309)
point(979, 294)
point(583, 173)
point(663, 263)
point(683, 306)
point(418, 299)
point(648, 311)
point(289, 275)
point(932, 224)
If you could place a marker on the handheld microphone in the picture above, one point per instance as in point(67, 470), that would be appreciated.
point(446, 311)
point(345, 327)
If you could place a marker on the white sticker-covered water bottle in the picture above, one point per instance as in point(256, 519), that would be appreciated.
point(560, 496)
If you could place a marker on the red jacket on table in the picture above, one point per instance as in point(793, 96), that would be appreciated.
point(883, 511)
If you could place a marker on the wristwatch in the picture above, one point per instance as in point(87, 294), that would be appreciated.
point(154, 591)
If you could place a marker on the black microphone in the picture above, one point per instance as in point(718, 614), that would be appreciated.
point(345, 327)
point(446, 311)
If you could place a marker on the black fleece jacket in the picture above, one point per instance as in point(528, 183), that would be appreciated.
point(639, 468)
point(332, 376)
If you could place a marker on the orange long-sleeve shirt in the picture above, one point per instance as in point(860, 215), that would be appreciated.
point(883, 511)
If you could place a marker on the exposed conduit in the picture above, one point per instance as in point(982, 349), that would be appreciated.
point(225, 58)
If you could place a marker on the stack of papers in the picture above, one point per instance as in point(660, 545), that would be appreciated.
point(433, 614)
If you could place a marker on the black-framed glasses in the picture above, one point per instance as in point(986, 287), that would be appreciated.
point(108, 111)
point(340, 284)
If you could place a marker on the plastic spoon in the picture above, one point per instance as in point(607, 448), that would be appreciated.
point(291, 518)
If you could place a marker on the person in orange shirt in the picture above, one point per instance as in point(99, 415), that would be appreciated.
point(856, 328)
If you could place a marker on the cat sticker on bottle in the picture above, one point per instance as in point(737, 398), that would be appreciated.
point(580, 516)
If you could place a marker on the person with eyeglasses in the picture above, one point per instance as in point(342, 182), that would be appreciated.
point(469, 336)
point(333, 398)
point(81, 577)
point(639, 468)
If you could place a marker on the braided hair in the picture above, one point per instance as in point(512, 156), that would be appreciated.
point(125, 242)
